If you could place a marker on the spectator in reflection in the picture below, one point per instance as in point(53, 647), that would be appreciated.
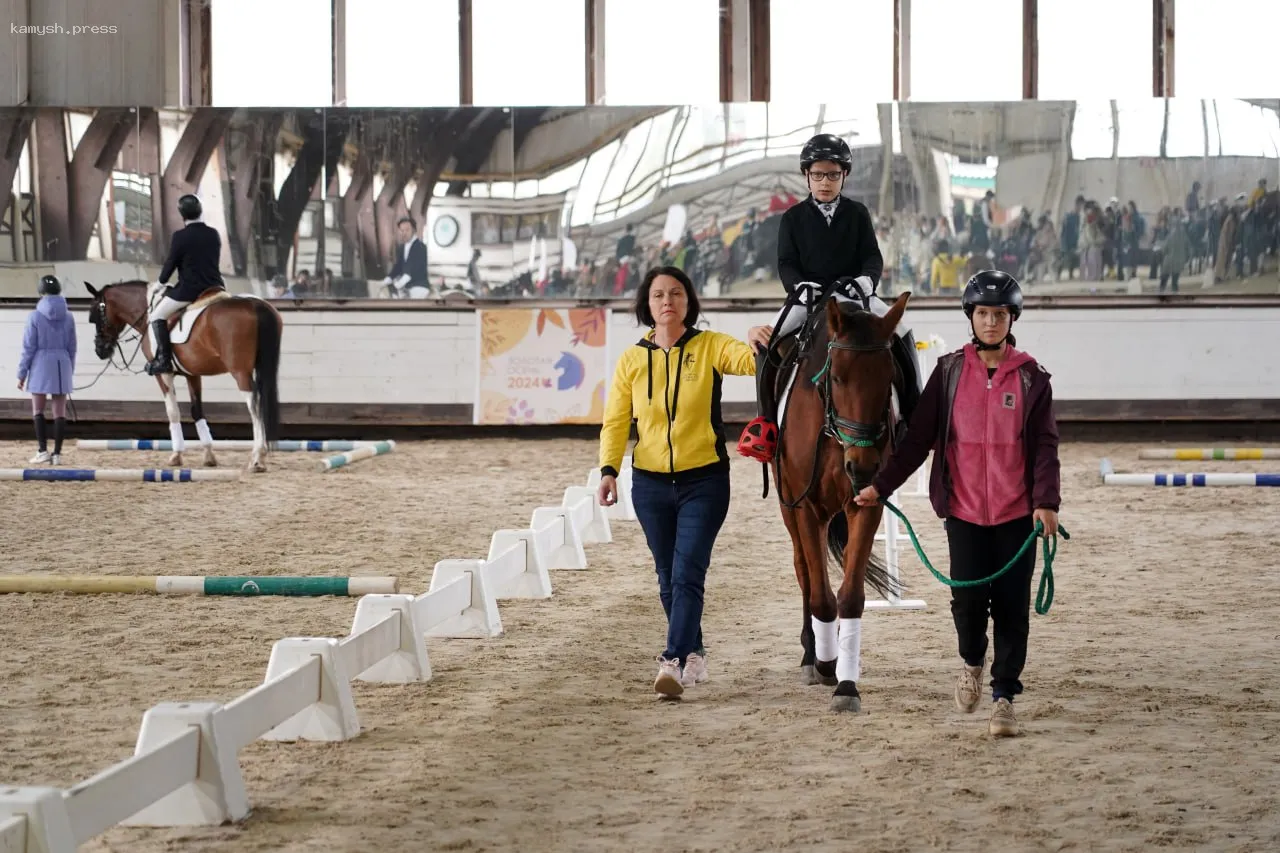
point(409, 272)
point(474, 279)
point(626, 244)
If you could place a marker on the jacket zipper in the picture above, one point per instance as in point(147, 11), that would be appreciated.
point(666, 401)
point(986, 460)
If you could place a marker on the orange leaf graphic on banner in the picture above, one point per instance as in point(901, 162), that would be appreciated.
point(549, 315)
point(501, 330)
point(589, 325)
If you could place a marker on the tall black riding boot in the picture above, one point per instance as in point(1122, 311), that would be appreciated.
point(42, 443)
point(59, 430)
point(163, 362)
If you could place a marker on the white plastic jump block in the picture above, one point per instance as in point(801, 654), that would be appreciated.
point(409, 662)
point(598, 530)
point(518, 569)
point(332, 716)
point(481, 619)
point(567, 552)
point(217, 794)
point(45, 810)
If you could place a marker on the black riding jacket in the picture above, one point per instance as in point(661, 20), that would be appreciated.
point(194, 252)
point(811, 250)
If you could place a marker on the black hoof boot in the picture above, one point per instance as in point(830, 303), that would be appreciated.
point(826, 672)
point(846, 698)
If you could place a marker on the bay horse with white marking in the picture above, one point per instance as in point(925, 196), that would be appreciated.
point(235, 335)
point(835, 435)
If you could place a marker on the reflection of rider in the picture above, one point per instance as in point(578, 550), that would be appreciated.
point(827, 238)
point(194, 253)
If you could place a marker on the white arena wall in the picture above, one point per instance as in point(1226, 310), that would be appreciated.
point(1114, 359)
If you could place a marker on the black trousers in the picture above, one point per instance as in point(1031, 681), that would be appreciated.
point(979, 552)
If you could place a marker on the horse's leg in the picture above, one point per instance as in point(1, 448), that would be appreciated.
point(822, 602)
point(195, 387)
point(174, 413)
point(808, 674)
point(850, 602)
point(244, 381)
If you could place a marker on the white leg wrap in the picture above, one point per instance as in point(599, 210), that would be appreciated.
point(202, 430)
point(175, 434)
point(849, 664)
point(825, 643)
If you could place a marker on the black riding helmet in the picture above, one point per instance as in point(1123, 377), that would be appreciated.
point(50, 286)
point(826, 146)
point(994, 289)
point(189, 207)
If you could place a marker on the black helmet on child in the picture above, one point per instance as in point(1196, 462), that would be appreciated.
point(189, 207)
point(50, 286)
point(994, 289)
point(826, 146)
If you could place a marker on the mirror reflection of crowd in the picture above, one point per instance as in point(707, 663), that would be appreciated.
point(1100, 243)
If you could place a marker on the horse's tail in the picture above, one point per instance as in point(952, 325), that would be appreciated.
point(878, 576)
point(266, 367)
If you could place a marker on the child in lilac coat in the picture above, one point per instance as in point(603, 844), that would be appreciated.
point(48, 362)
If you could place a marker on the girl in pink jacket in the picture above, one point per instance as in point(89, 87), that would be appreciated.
point(987, 413)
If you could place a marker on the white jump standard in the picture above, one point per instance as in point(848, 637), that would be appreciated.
point(1110, 478)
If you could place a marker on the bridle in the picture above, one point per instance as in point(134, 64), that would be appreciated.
point(849, 433)
point(99, 311)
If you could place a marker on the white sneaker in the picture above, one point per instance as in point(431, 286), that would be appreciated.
point(668, 681)
point(40, 458)
point(695, 670)
point(969, 688)
point(55, 459)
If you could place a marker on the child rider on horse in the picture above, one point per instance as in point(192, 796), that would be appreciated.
point(827, 240)
point(194, 253)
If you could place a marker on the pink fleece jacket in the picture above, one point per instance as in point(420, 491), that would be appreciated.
point(986, 455)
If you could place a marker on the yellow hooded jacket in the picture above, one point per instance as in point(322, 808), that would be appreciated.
point(674, 398)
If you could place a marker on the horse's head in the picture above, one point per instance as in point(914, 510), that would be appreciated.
point(115, 308)
point(856, 383)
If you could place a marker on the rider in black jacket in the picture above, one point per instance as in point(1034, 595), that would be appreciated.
point(194, 253)
point(826, 240)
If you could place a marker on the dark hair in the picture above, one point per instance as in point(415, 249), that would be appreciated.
point(644, 316)
point(412, 224)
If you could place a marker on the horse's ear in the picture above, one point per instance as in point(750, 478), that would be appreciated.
point(835, 318)
point(92, 290)
point(890, 321)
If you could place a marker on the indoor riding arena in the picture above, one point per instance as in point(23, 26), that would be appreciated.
point(420, 627)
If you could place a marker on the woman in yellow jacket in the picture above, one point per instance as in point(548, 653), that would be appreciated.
point(669, 383)
point(947, 269)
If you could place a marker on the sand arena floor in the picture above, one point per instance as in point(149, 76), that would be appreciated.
point(1150, 721)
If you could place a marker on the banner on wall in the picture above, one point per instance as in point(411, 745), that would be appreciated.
point(542, 366)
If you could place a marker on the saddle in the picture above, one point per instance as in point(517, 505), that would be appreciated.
point(203, 301)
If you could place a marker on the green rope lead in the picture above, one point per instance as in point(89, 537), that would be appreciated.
point(1044, 596)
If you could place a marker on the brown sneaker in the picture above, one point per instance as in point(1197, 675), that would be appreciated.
point(1003, 722)
point(969, 688)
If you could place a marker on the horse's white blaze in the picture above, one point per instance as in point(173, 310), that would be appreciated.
point(849, 664)
point(825, 643)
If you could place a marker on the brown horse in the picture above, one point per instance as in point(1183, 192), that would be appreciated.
point(834, 437)
point(235, 335)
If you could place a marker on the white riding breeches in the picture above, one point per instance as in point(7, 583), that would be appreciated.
point(790, 319)
point(167, 308)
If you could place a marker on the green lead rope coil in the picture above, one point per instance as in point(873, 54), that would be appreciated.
point(1044, 596)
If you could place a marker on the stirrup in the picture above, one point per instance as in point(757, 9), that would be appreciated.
point(759, 441)
point(156, 367)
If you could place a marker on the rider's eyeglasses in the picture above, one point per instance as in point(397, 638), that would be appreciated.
point(825, 176)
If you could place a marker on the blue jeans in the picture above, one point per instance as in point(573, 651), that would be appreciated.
point(681, 521)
